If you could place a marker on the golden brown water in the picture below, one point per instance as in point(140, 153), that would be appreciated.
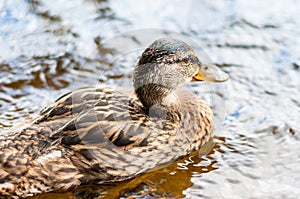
point(47, 49)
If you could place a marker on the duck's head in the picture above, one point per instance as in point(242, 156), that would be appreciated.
point(167, 64)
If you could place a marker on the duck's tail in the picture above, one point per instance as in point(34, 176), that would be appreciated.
point(31, 164)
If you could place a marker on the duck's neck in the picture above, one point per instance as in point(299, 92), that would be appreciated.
point(159, 101)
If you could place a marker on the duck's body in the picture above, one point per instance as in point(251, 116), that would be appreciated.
point(100, 135)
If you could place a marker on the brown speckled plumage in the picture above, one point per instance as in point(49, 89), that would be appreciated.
point(101, 134)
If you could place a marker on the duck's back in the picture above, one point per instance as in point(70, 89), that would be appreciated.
point(36, 157)
point(96, 135)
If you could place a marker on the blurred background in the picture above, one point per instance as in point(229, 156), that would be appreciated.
point(50, 47)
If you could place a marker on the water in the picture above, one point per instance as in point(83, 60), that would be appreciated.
point(44, 45)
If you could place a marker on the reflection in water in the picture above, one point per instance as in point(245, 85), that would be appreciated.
point(50, 48)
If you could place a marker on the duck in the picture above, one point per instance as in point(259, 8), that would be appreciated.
point(104, 134)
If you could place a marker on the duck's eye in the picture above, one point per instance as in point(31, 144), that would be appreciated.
point(186, 61)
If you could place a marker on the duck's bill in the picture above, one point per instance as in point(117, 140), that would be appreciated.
point(210, 73)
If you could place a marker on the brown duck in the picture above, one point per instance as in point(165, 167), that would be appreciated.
point(103, 134)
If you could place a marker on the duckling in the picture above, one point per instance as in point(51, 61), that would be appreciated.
point(104, 134)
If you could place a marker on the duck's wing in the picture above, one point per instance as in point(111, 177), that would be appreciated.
point(115, 139)
point(115, 115)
